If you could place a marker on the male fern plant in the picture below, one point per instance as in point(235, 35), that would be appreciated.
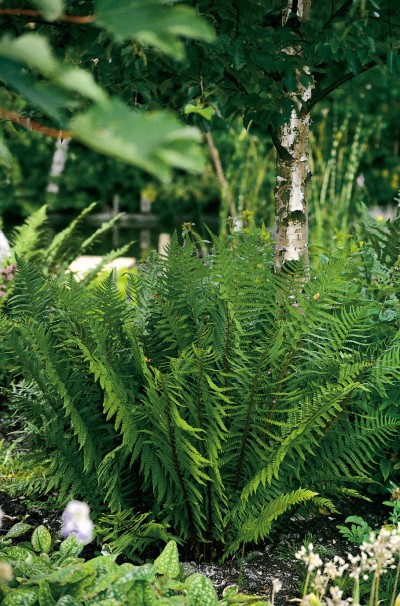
point(35, 242)
point(219, 396)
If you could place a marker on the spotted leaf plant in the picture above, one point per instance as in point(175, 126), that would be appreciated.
point(47, 572)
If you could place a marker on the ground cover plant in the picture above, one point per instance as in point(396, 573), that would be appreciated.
point(48, 571)
point(220, 395)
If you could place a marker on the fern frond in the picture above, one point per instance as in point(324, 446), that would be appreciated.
point(131, 533)
point(93, 273)
point(29, 239)
point(66, 244)
point(100, 231)
point(256, 525)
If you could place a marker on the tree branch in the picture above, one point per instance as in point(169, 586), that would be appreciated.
point(56, 133)
point(334, 85)
point(338, 13)
point(223, 183)
point(27, 12)
point(229, 76)
point(280, 150)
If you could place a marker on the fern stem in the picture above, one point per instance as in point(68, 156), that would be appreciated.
point(331, 423)
point(175, 460)
point(279, 389)
point(248, 420)
point(227, 340)
point(209, 508)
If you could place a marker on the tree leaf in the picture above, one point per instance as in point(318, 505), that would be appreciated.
point(152, 23)
point(81, 82)
point(5, 156)
point(45, 95)
point(154, 141)
point(35, 52)
point(52, 9)
point(31, 50)
point(205, 112)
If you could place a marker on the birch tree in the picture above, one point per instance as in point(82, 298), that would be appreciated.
point(271, 62)
point(293, 162)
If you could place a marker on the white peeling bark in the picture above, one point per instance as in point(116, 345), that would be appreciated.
point(293, 165)
point(57, 165)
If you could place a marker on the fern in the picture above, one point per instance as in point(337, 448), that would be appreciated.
point(28, 240)
point(34, 242)
point(219, 397)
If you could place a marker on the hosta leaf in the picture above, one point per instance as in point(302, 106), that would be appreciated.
point(67, 600)
point(19, 554)
point(71, 546)
point(152, 23)
point(147, 572)
point(154, 141)
point(69, 574)
point(45, 596)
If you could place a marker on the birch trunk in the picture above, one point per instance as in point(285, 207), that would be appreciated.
point(293, 165)
point(57, 165)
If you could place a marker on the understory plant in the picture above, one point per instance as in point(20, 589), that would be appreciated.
point(53, 254)
point(45, 571)
point(376, 557)
point(336, 189)
point(212, 401)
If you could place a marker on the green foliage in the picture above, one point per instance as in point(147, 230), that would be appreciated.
point(220, 398)
point(335, 197)
point(145, 22)
point(53, 254)
point(45, 572)
point(358, 532)
point(62, 91)
point(18, 476)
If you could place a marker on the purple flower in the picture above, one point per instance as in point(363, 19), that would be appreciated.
point(76, 521)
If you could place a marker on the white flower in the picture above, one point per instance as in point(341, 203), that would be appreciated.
point(310, 558)
point(276, 585)
point(336, 597)
point(76, 520)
